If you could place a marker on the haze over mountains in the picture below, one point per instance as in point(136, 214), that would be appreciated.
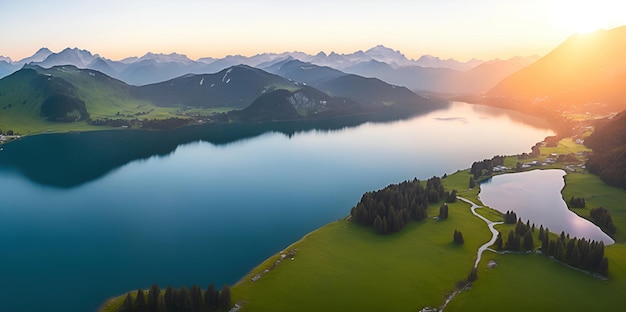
point(586, 72)
point(428, 73)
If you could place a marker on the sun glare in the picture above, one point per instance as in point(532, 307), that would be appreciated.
point(585, 16)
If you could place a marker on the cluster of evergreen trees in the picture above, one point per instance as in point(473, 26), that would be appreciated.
point(580, 253)
point(577, 202)
point(391, 208)
point(485, 167)
point(510, 217)
point(519, 239)
point(174, 300)
point(602, 218)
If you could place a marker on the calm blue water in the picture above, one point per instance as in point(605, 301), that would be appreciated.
point(84, 217)
point(536, 196)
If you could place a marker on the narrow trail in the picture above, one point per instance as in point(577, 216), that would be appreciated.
point(481, 249)
point(490, 224)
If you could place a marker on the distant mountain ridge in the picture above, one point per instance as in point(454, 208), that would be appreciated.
point(157, 67)
point(234, 87)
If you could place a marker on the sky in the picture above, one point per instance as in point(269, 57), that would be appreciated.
point(459, 29)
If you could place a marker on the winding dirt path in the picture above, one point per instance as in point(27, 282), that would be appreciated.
point(490, 224)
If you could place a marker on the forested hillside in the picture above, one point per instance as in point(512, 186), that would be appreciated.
point(609, 151)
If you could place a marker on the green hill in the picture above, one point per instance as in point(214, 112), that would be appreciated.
point(62, 98)
point(306, 102)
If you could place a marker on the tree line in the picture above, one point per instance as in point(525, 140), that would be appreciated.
point(178, 300)
point(577, 202)
point(519, 239)
point(602, 218)
point(391, 208)
point(510, 217)
point(577, 252)
point(485, 167)
point(608, 159)
point(580, 253)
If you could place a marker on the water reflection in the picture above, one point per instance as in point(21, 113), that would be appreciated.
point(536, 196)
point(70, 160)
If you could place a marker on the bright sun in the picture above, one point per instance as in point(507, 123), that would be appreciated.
point(587, 16)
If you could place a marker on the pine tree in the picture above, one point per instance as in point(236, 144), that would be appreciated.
point(195, 294)
point(168, 297)
point(224, 299)
point(528, 241)
point(443, 212)
point(473, 275)
point(498, 242)
point(127, 305)
point(140, 301)
point(211, 296)
point(161, 307)
point(510, 241)
point(153, 296)
point(604, 267)
point(185, 299)
point(458, 237)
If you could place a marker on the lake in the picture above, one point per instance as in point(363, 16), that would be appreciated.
point(87, 216)
point(536, 196)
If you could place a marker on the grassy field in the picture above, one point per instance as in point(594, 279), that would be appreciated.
point(531, 282)
point(346, 267)
point(104, 98)
point(598, 194)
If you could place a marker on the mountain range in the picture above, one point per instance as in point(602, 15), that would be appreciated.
point(34, 96)
point(380, 62)
point(586, 72)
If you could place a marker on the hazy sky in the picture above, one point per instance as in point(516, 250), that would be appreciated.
point(460, 29)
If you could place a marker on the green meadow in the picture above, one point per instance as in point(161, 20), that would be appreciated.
point(531, 282)
point(344, 266)
point(598, 194)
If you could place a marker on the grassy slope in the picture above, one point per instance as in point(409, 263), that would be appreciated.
point(343, 266)
point(534, 283)
point(23, 115)
point(596, 194)
point(104, 97)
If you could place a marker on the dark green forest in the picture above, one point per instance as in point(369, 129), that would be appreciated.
point(608, 159)
point(390, 209)
point(178, 300)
